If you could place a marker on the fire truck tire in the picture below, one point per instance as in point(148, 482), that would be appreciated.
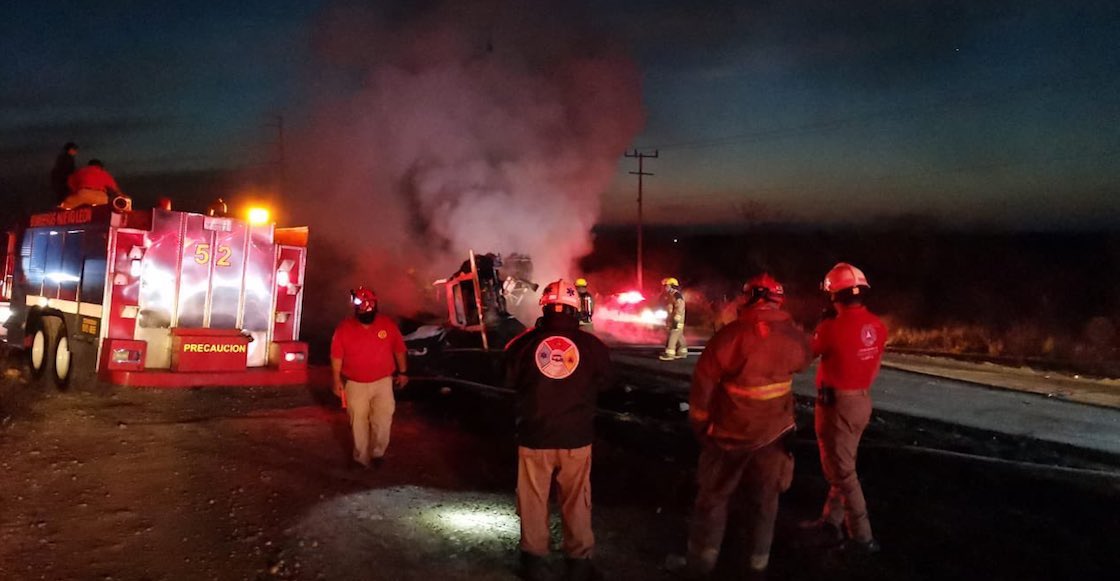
point(61, 370)
point(39, 353)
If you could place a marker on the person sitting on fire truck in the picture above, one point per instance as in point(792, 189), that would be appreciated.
point(90, 186)
point(586, 302)
point(368, 357)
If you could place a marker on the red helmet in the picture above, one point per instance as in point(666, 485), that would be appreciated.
point(560, 292)
point(764, 286)
point(363, 300)
point(844, 276)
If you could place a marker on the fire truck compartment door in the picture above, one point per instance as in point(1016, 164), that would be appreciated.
point(158, 285)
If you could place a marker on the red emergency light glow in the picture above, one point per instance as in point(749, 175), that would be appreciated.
point(630, 298)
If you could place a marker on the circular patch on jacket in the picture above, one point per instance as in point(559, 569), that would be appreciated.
point(557, 357)
point(382, 334)
point(867, 335)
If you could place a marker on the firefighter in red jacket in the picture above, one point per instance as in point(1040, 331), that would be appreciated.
point(90, 186)
point(850, 344)
point(741, 408)
point(557, 372)
point(368, 357)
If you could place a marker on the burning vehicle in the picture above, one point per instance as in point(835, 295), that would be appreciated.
point(478, 297)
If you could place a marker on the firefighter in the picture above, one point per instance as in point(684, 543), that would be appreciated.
point(367, 360)
point(64, 166)
point(218, 209)
point(586, 302)
point(675, 347)
point(556, 371)
point(850, 344)
point(741, 409)
point(90, 186)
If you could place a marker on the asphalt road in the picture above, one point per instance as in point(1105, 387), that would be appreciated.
point(1013, 413)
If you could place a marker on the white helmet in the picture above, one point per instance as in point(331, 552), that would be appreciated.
point(560, 292)
point(844, 276)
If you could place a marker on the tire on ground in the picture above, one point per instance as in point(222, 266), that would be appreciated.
point(39, 355)
point(62, 358)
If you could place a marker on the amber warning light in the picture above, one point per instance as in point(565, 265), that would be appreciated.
point(258, 216)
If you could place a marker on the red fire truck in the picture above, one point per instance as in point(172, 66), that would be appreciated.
point(156, 298)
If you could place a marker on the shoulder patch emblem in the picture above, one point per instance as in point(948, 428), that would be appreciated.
point(557, 357)
point(382, 334)
point(867, 335)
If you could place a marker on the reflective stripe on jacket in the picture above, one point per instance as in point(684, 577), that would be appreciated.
point(741, 394)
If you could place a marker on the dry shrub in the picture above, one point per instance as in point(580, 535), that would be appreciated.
point(1028, 340)
point(956, 339)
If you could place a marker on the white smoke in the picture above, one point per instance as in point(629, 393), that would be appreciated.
point(485, 125)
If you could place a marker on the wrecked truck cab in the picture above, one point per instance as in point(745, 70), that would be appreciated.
point(469, 343)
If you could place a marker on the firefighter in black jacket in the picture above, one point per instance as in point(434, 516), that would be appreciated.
point(557, 372)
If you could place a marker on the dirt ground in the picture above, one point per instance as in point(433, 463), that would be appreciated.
point(254, 484)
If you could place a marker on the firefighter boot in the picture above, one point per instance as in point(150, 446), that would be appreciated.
point(533, 567)
point(667, 356)
point(861, 548)
point(690, 569)
point(820, 533)
point(581, 570)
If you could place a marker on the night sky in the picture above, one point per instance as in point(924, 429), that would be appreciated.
point(970, 112)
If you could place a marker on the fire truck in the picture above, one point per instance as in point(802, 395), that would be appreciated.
point(155, 298)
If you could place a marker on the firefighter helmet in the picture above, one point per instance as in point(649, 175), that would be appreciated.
point(670, 281)
point(764, 287)
point(844, 276)
point(363, 300)
point(581, 282)
point(560, 292)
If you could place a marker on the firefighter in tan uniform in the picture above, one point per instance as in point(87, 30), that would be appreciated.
point(586, 303)
point(557, 372)
point(741, 408)
point(850, 344)
point(368, 358)
point(675, 347)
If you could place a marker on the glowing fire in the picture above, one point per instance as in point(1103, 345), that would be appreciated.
point(630, 298)
point(626, 307)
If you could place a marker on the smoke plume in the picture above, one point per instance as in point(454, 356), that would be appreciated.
point(440, 127)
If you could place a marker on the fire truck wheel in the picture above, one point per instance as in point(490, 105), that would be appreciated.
point(62, 359)
point(38, 354)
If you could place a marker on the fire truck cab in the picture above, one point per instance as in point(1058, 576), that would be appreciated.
point(156, 298)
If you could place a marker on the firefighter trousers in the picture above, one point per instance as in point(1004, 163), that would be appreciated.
point(370, 406)
point(84, 197)
point(675, 345)
point(572, 469)
point(839, 428)
point(762, 474)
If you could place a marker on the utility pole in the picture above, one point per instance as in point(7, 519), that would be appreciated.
point(641, 157)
